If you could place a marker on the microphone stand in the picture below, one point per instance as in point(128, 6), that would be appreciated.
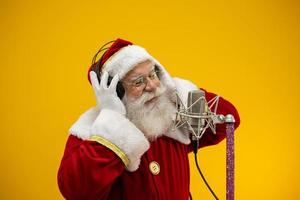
point(229, 120)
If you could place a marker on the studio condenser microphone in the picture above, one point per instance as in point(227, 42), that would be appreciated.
point(198, 114)
point(196, 111)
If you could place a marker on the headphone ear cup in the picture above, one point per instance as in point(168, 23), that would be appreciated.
point(98, 76)
point(120, 90)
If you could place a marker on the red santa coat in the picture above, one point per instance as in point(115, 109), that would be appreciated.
point(99, 170)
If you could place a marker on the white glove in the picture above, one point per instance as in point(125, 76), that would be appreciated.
point(106, 96)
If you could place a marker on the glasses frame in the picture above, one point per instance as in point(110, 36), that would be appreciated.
point(157, 72)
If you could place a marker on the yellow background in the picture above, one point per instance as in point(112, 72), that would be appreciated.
point(246, 51)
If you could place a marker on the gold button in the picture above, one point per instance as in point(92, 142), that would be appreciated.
point(154, 168)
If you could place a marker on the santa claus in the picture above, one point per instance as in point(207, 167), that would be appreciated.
point(125, 148)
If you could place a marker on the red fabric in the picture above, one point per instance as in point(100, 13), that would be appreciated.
point(89, 170)
point(116, 46)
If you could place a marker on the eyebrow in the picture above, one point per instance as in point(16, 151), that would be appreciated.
point(141, 75)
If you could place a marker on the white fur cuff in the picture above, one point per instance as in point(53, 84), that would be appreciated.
point(117, 129)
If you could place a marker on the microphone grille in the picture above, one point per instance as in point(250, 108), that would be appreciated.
point(196, 102)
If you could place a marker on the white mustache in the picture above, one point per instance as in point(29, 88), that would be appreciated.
point(148, 96)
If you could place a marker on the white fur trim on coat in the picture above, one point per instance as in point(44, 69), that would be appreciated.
point(82, 127)
point(183, 87)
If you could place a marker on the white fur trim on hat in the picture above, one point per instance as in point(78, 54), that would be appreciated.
point(125, 60)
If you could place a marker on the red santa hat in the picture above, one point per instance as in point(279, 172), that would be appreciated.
point(122, 56)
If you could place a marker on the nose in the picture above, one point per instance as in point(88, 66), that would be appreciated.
point(151, 85)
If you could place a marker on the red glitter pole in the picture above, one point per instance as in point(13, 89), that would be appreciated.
point(229, 157)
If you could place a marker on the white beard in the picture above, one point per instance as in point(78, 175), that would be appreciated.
point(152, 119)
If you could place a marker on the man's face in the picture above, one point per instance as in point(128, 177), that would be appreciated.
point(147, 104)
point(141, 79)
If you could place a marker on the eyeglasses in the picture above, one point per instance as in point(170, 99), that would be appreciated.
point(142, 80)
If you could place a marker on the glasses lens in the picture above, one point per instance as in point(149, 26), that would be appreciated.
point(138, 82)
